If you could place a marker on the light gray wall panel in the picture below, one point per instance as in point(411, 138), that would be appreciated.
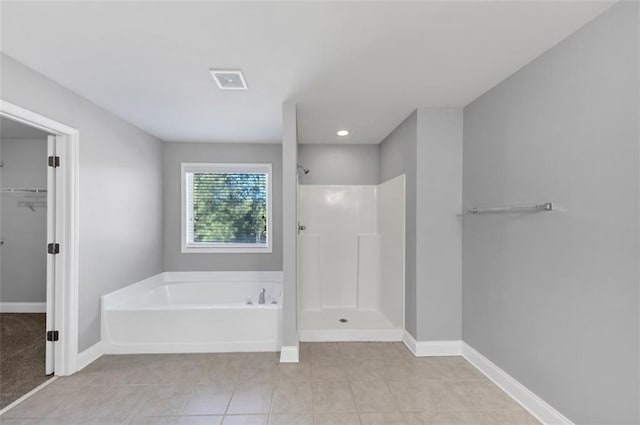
point(340, 164)
point(438, 226)
point(290, 223)
point(398, 156)
point(120, 190)
point(552, 298)
point(177, 153)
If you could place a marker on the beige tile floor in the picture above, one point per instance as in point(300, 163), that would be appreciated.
point(334, 384)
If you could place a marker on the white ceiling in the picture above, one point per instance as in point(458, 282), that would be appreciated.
point(358, 65)
point(10, 129)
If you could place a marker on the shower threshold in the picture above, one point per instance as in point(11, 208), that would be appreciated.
point(346, 325)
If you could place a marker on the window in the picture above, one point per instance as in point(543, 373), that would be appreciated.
point(226, 208)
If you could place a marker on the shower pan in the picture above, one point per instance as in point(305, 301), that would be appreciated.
point(351, 262)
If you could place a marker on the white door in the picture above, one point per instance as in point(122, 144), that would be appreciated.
point(51, 258)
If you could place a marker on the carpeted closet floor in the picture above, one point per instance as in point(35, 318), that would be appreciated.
point(22, 345)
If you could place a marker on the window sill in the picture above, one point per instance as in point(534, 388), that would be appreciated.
point(226, 250)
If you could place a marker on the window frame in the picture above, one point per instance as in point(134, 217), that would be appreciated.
point(187, 210)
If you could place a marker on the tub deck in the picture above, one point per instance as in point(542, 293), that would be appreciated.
point(185, 312)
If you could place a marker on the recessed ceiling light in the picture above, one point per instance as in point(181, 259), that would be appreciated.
point(343, 133)
point(229, 79)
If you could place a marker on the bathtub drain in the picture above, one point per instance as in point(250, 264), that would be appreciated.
point(343, 320)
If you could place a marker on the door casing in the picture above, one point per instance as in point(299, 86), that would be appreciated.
point(64, 224)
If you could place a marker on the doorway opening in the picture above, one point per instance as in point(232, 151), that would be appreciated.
point(26, 358)
point(38, 259)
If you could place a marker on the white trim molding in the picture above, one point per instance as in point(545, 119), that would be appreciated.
point(525, 397)
point(90, 355)
point(9, 307)
point(289, 354)
point(65, 303)
point(190, 246)
point(432, 348)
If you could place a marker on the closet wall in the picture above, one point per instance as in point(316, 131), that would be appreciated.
point(24, 232)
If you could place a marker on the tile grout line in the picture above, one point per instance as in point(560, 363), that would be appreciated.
point(402, 413)
point(273, 390)
point(186, 403)
point(355, 403)
point(270, 394)
point(233, 393)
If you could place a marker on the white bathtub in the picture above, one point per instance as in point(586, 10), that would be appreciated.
point(190, 312)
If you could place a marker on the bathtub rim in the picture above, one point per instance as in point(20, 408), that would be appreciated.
point(119, 296)
point(178, 307)
point(109, 302)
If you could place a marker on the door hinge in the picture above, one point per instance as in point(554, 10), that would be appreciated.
point(53, 336)
point(54, 161)
point(53, 248)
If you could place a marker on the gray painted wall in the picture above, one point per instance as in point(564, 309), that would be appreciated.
point(340, 164)
point(552, 298)
point(177, 153)
point(438, 226)
point(290, 225)
point(427, 148)
point(119, 165)
point(23, 269)
point(398, 156)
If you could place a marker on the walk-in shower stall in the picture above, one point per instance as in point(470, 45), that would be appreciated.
point(351, 261)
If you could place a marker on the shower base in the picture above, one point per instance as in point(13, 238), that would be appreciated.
point(360, 325)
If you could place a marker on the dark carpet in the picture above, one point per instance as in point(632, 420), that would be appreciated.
point(22, 345)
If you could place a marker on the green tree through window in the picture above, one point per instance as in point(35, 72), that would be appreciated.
point(229, 208)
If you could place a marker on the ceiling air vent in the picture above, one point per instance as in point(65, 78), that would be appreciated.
point(229, 79)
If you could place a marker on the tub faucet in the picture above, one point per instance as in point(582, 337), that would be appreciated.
point(261, 299)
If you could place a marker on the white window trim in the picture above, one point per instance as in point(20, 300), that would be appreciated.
point(225, 248)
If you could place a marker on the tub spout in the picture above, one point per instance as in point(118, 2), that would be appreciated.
point(261, 299)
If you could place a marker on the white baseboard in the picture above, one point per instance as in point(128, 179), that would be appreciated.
point(23, 307)
point(289, 354)
point(89, 356)
point(342, 335)
point(432, 348)
point(531, 402)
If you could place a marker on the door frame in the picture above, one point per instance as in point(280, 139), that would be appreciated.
point(49, 363)
point(67, 231)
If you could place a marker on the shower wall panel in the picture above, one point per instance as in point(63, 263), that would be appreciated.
point(391, 227)
point(351, 251)
point(338, 246)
